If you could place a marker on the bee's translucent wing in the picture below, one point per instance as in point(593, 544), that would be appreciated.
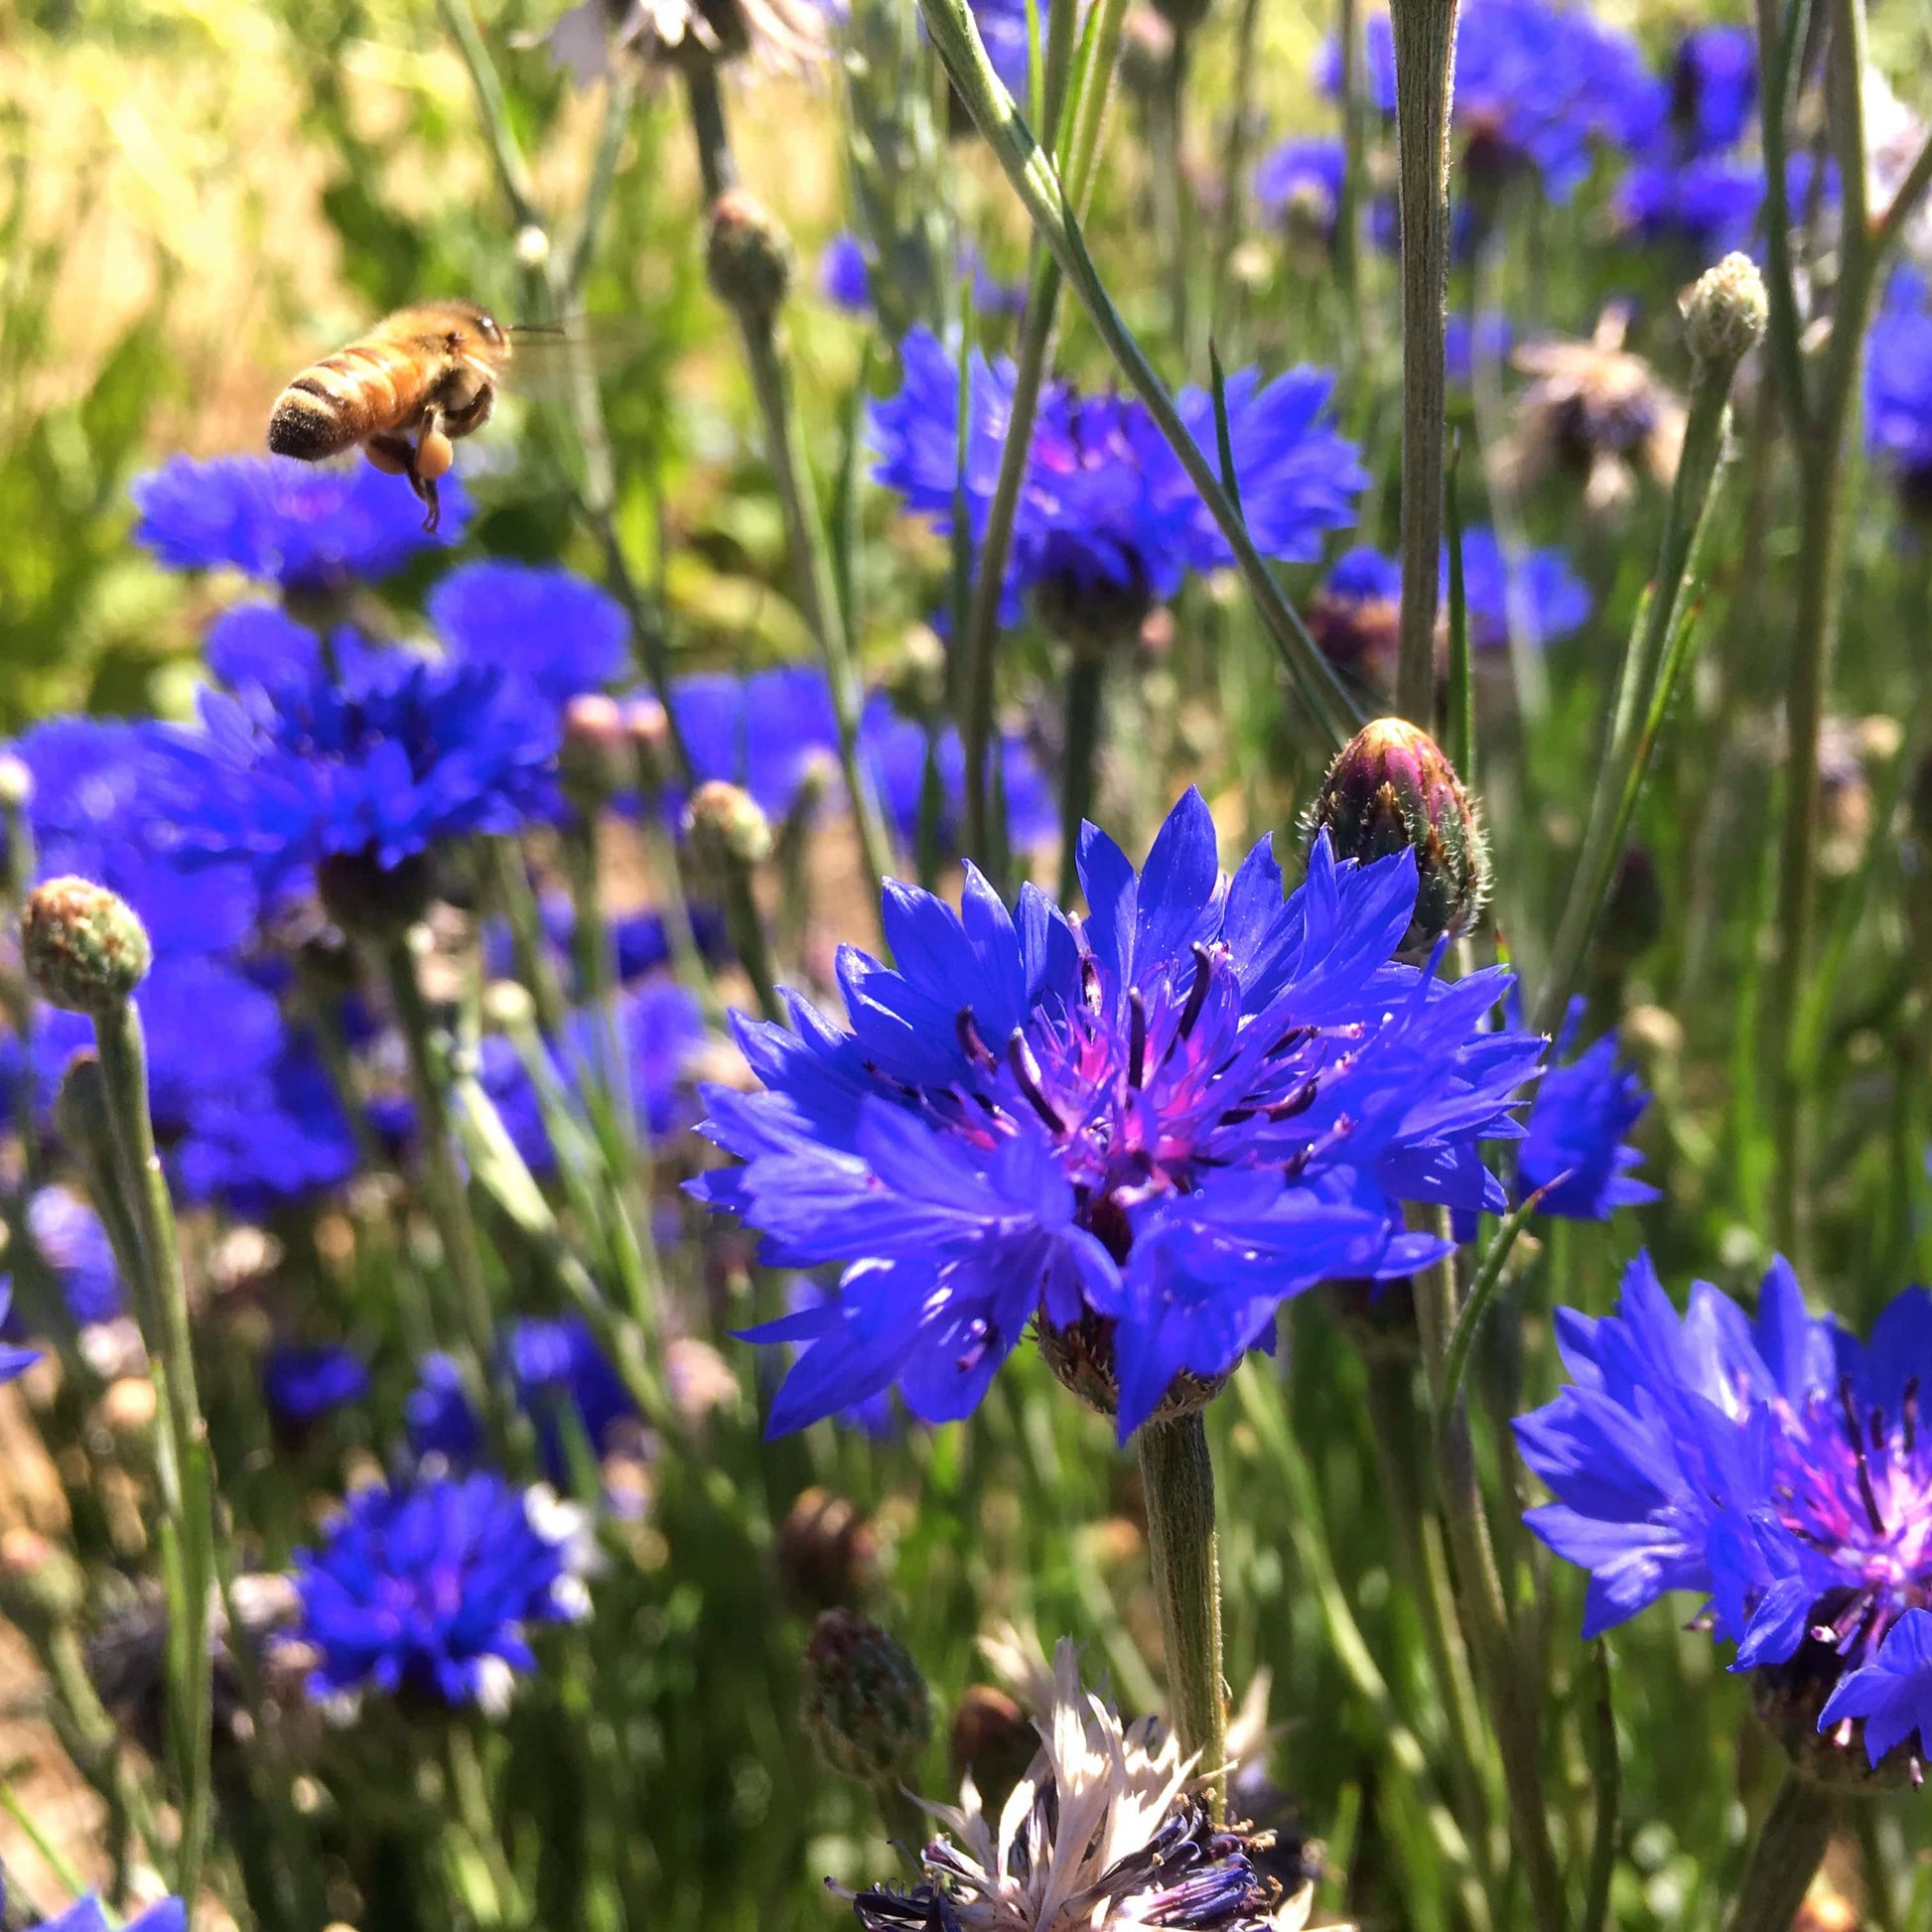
point(550, 357)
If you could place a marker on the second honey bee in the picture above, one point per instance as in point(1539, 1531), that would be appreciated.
point(419, 378)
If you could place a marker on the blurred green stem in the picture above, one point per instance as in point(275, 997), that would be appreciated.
point(1349, 204)
point(1177, 1474)
point(1425, 66)
point(1785, 1856)
point(1234, 161)
point(1086, 681)
point(187, 1474)
point(1607, 1778)
point(1037, 183)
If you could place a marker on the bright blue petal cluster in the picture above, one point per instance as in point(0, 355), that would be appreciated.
point(1163, 1121)
point(301, 1385)
point(845, 275)
point(13, 1361)
point(74, 1248)
point(426, 1589)
point(1898, 387)
point(1541, 591)
point(297, 525)
point(560, 1372)
point(1893, 1693)
point(1775, 1465)
point(1574, 1153)
point(1714, 87)
point(897, 751)
point(1106, 511)
point(85, 1915)
point(1710, 202)
point(1302, 176)
point(380, 755)
point(549, 627)
point(1535, 85)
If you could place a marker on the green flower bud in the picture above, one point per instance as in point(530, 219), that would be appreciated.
point(83, 947)
point(1389, 789)
point(747, 256)
point(864, 1704)
point(728, 825)
point(42, 1589)
point(1726, 315)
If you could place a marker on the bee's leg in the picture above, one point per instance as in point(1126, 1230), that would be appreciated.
point(472, 415)
point(389, 452)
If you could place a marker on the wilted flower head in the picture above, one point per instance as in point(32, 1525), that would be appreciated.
point(301, 527)
point(1775, 1465)
point(425, 1588)
point(1597, 410)
point(1108, 521)
point(1105, 1828)
point(1146, 1130)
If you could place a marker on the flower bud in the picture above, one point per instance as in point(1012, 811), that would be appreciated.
point(84, 946)
point(1389, 789)
point(747, 256)
point(369, 900)
point(864, 1704)
point(992, 1739)
point(40, 1585)
point(1726, 315)
point(727, 825)
point(595, 750)
point(828, 1553)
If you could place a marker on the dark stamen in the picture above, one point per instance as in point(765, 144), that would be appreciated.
point(1025, 1070)
point(1874, 1426)
point(971, 1042)
point(1298, 1102)
point(1089, 983)
point(1135, 1038)
point(1909, 1411)
point(1197, 993)
point(1866, 1492)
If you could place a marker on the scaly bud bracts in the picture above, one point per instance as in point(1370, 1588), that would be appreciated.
point(747, 256)
point(1726, 315)
point(864, 1704)
point(1391, 788)
point(728, 825)
point(84, 947)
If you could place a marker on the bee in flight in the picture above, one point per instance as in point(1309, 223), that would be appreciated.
point(405, 391)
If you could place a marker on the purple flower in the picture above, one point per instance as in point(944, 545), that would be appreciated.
point(437, 1415)
point(1775, 1465)
point(1709, 202)
point(898, 750)
point(1146, 1132)
point(1893, 1693)
point(297, 525)
point(302, 1385)
point(426, 1588)
point(1490, 337)
point(1355, 615)
point(1302, 177)
point(845, 275)
point(1714, 87)
point(1573, 1145)
point(1541, 592)
point(560, 1372)
point(85, 1915)
point(1898, 392)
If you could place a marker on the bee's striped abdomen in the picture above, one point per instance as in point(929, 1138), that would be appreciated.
point(357, 392)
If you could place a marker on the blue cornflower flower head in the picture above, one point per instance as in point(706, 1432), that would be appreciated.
point(767, 732)
point(298, 525)
point(302, 1385)
point(845, 275)
point(1301, 181)
point(1899, 393)
point(92, 816)
point(1108, 521)
point(437, 1415)
point(1355, 615)
point(1714, 87)
point(1535, 85)
point(550, 627)
point(1541, 592)
point(1893, 1693)
point(74, 1249)
point(1490, 337)
point(425, 1590)
point(14, 1362)
point(85, 1915)
point(896, 749)
point(1572, 1151)
point(375, 761)
point(640, 941)
point(559, 1370)
point(1709, 202)
point(1146, 1131)
point(1773, 1464)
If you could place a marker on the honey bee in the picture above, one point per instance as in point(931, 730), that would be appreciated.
point(417, 380)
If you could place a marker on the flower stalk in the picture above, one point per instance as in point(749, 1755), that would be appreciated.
point(1177, 1473)
point(1785, 1855)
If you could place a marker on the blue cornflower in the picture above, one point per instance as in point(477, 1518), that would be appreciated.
point(1710, 202)
point(437, 1415)
point(74, 1249)
point(298, 525)
point(1007, 37)
point(376, 758)
point(1302, 179)
point(1355, 614)
point(1541, 591)
point(1775, 1465)
point(1714, 87)
point(85, 1915)
point(1899, 390)
point(1535, 85)
point(303, 1385)
point(549, 627)
point(1146, 1132)
point(559, 1370)
point(845, 275)
point(426, 1588)
point(1488, 336)
point(1108, 520)
point(896, 748)
point(91, 810)
point(1572, 1144)
point(14, 1362)
point(767, 732)
point(1893, 1693)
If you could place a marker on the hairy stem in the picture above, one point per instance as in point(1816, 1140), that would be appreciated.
point(1785, 1856)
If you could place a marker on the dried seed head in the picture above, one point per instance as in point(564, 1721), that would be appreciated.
point(828, 1551)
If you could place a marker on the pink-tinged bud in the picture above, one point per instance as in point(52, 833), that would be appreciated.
point(864, 1704)
point(727, 825)
point(993, 1740)
point(595, 748)
point(1390, 789)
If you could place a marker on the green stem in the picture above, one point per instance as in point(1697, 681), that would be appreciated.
point(1606, 1777)
point(1177, 1474)
point(1037, 183)
point(1234, 159)
point(1085, 689)
point(1349, 204)
point(1785, 1856)
point(187, 1474)
point(1425, 65)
